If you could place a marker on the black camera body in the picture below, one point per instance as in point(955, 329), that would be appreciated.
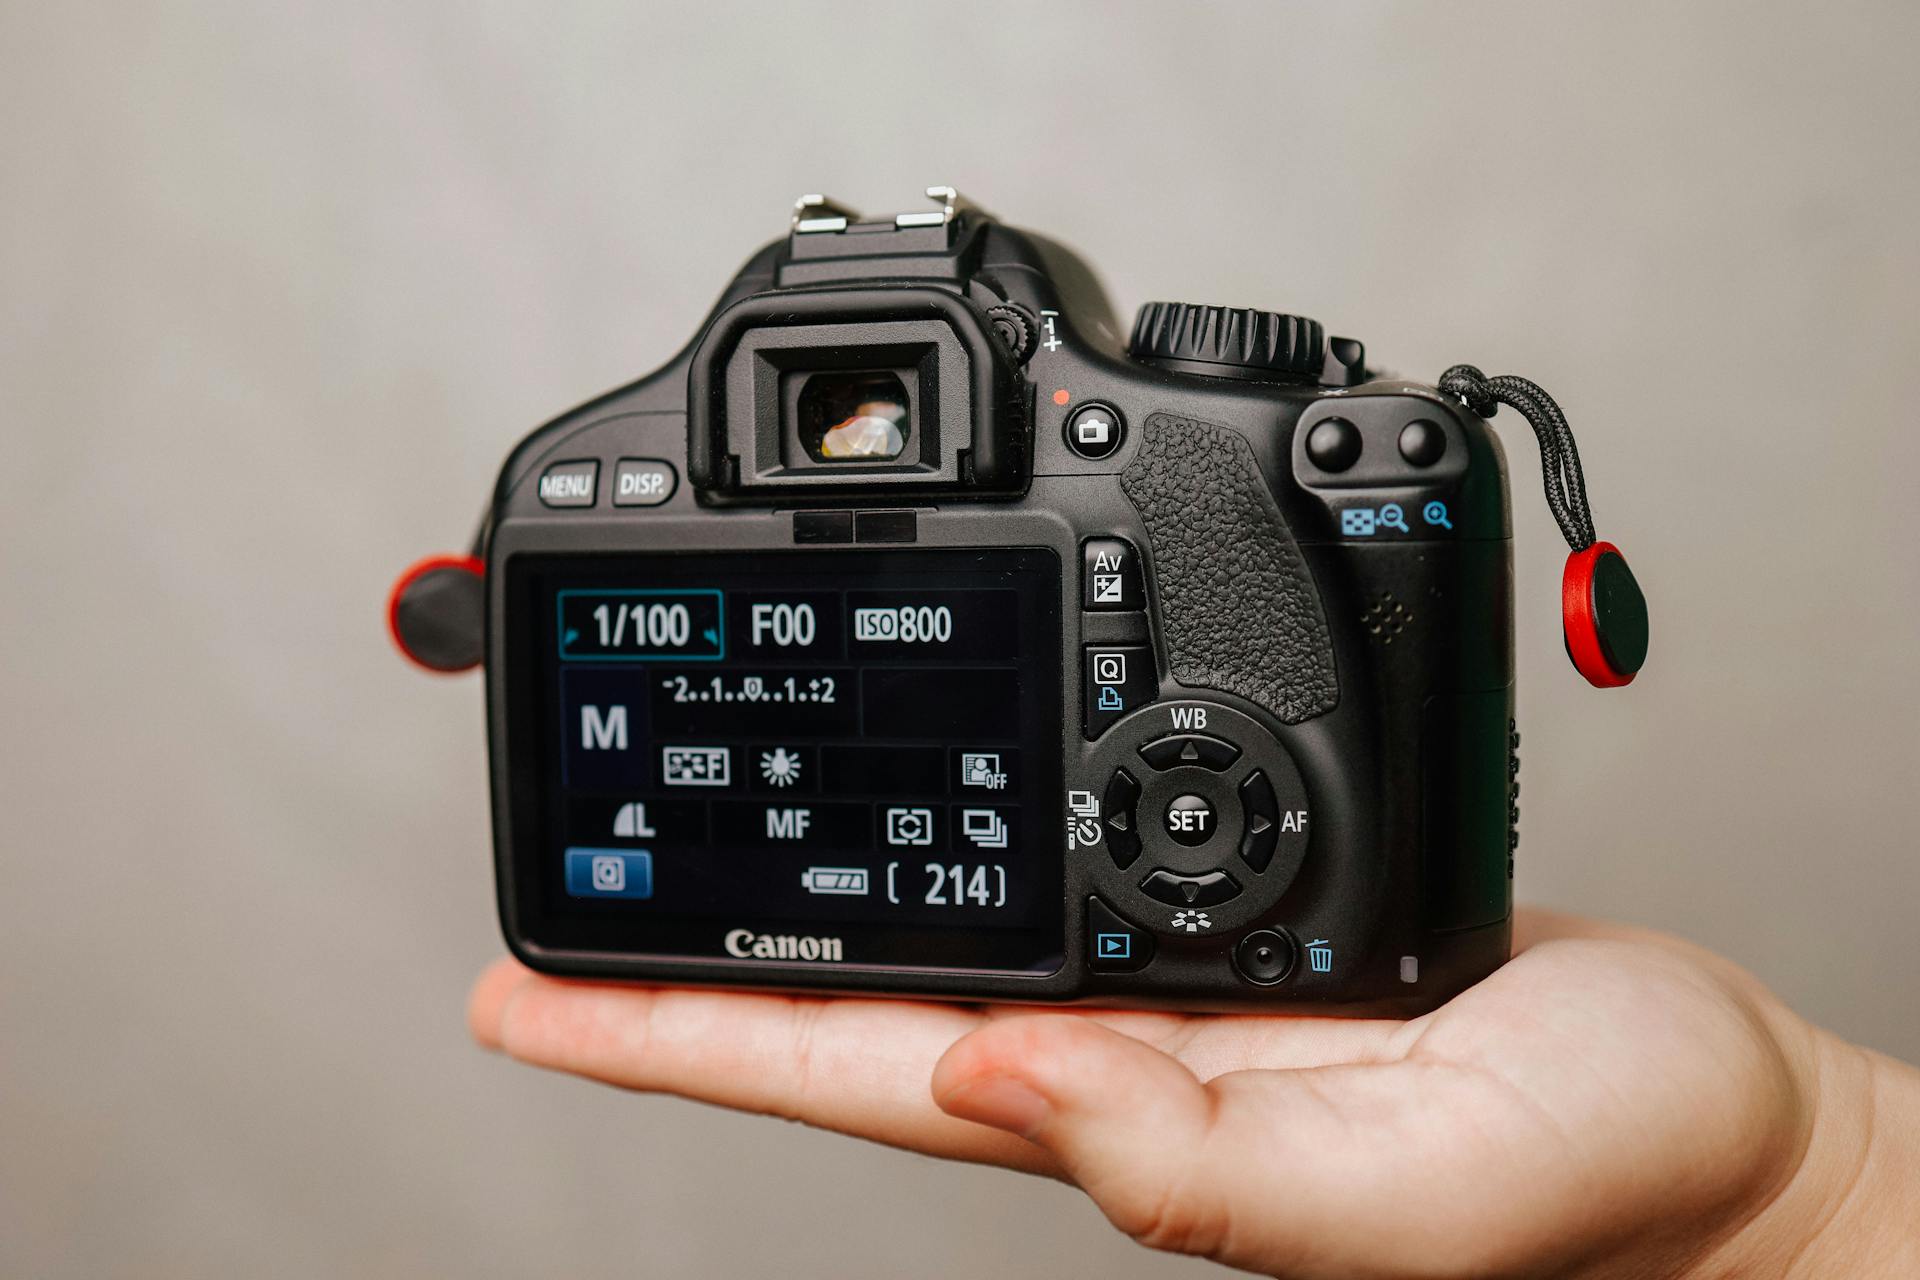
point(910, 633)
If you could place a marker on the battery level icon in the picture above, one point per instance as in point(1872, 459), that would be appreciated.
point(839, 881)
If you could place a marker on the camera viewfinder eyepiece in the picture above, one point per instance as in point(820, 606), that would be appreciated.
point(864, 391)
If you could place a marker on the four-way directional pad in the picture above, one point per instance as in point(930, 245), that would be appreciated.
point(1202, 814)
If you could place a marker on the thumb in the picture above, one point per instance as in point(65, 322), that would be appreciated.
point(1126, 1122)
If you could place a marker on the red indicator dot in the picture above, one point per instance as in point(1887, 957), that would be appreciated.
point(1061, 396)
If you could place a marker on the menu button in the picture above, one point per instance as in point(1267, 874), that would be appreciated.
point(569, 484)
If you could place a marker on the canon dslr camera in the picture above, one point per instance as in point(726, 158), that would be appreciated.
point(908, 634)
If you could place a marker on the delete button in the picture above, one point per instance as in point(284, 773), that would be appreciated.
point(643, 482)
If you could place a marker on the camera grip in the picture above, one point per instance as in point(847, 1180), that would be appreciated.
point(1238, 607)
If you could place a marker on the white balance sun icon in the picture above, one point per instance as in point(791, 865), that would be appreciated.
point(780, 766)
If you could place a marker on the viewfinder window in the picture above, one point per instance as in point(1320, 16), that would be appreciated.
point(856, 416)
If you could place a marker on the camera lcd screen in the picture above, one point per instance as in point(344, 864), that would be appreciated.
point(849, 758)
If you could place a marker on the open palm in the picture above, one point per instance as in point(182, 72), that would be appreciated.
point(1611, 1100)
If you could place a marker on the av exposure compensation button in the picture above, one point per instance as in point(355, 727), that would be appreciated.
point(1110, 576)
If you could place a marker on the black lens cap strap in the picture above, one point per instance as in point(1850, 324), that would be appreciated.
point(1603, 613)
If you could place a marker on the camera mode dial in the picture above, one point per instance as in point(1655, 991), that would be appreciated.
point(1229, 342)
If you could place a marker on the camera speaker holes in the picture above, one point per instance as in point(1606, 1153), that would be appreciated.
point(1386, 618)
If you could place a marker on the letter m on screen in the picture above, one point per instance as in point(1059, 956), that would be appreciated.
point(603, 730)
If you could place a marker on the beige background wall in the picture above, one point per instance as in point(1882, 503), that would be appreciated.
point(279, 284)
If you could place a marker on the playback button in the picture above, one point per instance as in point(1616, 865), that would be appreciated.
point(1113, 945)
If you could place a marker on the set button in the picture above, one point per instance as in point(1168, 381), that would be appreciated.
point(1191, 820)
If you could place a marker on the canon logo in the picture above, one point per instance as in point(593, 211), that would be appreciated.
point(749, 945)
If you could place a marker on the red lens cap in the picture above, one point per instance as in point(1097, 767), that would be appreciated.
point(1604, 616)
point(436, 613)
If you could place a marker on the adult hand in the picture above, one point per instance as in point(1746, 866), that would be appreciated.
point(1611, 1102)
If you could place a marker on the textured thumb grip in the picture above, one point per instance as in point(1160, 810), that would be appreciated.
point(1238, 606)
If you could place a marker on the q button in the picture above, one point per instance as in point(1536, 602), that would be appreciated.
point(643, 482)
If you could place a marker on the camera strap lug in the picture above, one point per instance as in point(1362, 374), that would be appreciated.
point(1603, 614)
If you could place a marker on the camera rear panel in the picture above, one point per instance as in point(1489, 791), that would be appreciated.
point(1189, 719)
